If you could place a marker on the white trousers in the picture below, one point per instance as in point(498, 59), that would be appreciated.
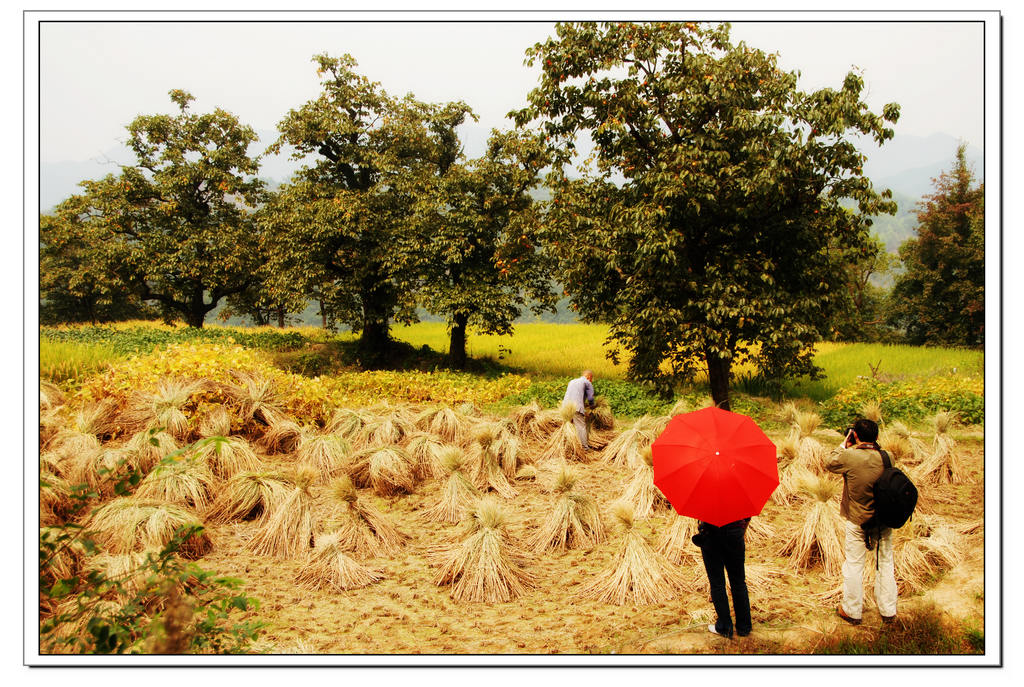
point(580, 421)
point(853, 573)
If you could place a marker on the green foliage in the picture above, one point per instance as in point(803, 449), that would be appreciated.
point(141, 339)
point(175, 228)
point(341, 232)
point(626, 399)
point(725, 240)
point(163, 605)
point(477, 242)
point(922, 632)
point(910, 399)
point(940, 296)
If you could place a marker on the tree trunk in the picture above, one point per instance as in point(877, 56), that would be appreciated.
point(457, 343)
point(280, 316)
point(195, 317)
point(323, 314)
point(719, 373)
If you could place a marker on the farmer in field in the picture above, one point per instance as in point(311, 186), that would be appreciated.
point(580, 392)
point(858, 460)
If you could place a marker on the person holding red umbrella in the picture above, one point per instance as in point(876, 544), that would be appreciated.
point(720, 468)
point(723, 550)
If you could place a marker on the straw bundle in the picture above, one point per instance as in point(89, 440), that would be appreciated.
point(328, 454)
point(943, 465)
point(87, 426)
point(532, 422)
point(287, 530)
point(283, 435)
point(641, 493)
point(63, 557)
point(389, 470)
point(681, 407)
point(638, 574)
point(227, 456)
point(674, 542)
point(99, 468)
point(360, 528)
point(386, 431)
point(527, 473)
point(458, 496)
point(485, 470)
point(601, 417)
point(922, 552)
point(255, 397)
point(55, 502)
point(425, 450)
point(624, 450)
point(248, 495)
point(564, 444)
point(126, 568)
point(185, 480)
point(807, 423)
point(214, 421)
point(161, 408)
point(574, 521)
point(149, 447)
point(788, 414)
point(128, 524)
point(760, 530)
point(346, 422)
point(468, 410)
point(328, 567)
point(872, 410)
point(443, 422)
point(485, 566)
point(788, 449)
point(820, 537)
point(50, 395)
point(918, 450)
point(812, 456)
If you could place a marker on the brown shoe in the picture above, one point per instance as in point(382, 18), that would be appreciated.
point(842, 614)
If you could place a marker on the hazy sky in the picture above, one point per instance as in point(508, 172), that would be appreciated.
point(96, 76)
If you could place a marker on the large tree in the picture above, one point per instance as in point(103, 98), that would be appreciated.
point(706, 229)
point(175, 228)
point(341, 227)
point(481, 263)
point(939, 298)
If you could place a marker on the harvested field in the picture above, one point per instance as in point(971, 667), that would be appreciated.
point(407, 613)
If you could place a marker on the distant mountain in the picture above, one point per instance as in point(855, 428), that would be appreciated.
point(907, 164)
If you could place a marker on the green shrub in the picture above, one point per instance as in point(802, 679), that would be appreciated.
point(67, 361)
point(909, 399)
point(127, 340)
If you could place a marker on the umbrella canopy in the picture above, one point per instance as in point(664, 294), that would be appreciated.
point(715, 465)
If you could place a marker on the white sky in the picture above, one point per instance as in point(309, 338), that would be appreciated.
point(96, 76)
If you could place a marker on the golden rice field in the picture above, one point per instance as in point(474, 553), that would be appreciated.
point(390, 527)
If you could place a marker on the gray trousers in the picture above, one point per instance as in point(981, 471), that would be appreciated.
point(579, 420)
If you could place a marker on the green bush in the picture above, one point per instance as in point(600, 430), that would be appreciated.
point(909, 399)
point(626, 399)
point(143, 339)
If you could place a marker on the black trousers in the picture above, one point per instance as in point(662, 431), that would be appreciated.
point(723, 551)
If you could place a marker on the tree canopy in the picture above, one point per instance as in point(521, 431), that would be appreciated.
point(939, 298)
point(480, 259)
point(341, 229)
point(707, 227)
point(175, 228)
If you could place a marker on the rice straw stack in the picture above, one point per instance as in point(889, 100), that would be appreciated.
point(675, 543)
point(185, 480)
point(458, 496)
point(248, 496)
point(128, 524)
point(574, 520)
point(287, 530)
point(485, 565)
point(389, 470)
point(638, 574)
point(328, 567)
point(820, 537)
point(360, 528)
point(641, 493)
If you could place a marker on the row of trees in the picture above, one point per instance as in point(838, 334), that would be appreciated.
point(723, 215)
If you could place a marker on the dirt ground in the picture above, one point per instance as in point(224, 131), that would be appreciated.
point(407, 613)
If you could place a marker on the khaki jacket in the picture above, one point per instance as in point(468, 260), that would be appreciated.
point(860, 467)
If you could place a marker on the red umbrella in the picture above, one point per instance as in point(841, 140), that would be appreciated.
point(715, 465)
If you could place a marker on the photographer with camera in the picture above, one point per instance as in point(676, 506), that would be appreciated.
point(859, 460)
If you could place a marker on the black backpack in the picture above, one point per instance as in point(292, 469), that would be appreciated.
point(895, 498)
